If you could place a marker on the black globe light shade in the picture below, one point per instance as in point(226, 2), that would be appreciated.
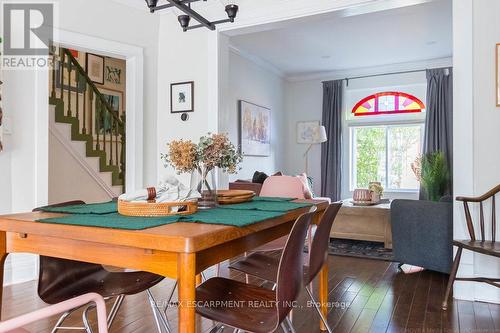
point(232, 11)
point(184, 21)
point(151, 4)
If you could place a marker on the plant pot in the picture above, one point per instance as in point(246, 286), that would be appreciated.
point(203, 181)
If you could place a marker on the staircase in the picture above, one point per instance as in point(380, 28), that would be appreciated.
point(77, 102)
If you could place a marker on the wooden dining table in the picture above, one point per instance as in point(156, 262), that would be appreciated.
point(178, 251)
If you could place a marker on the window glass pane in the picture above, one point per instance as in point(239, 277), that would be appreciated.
point(369, 155)
point(404, 147)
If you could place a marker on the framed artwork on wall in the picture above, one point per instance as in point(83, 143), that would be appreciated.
point(497, 61)
point(94, 65)
point(182, 97)
point(114, 74)
point(255, 129)
point(102, 123)
point(307, 131)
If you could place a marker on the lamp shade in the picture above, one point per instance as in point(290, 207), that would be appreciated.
point(321, 135)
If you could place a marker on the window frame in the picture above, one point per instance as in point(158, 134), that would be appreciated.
point(352, 125)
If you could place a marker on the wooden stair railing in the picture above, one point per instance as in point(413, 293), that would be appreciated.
point(80, 103)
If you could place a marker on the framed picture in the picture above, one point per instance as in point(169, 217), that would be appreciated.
point(114, 73)
point(73, 86)
point(307, 131)
point(102, 123)
point(182, 97)
point(255, 129)
point(94, 65)
point(497, 60)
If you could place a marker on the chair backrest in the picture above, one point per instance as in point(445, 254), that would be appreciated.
point(488, 196)
point(291, 271)
point(283, 186)
point(319, 246)
point(57, 273)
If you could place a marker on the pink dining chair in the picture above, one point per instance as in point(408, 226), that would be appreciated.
point(283, 186)
point(15, 325)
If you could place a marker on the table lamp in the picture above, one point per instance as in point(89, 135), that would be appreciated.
point(319, 137)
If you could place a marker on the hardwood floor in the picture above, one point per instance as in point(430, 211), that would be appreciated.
point(366, 296)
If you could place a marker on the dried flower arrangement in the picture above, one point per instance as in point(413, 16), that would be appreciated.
point(213, 150)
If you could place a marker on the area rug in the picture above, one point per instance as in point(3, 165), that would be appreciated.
point(359, 249)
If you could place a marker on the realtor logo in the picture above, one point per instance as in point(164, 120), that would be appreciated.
point(28, 31)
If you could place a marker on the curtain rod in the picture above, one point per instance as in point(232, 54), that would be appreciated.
point(383, 74)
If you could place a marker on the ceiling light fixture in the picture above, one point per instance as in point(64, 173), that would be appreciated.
point(185, 7)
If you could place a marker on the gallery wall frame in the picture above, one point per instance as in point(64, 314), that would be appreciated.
point(94, 65)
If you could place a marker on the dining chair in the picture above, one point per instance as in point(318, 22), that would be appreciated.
point(62, 279)
point(266, 267)
point(250, 308)
point(486, 244)
point(15, 325)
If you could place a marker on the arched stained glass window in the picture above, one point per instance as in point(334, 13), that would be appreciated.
point(390, 102)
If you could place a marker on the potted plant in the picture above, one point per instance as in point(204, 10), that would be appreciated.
point(433, 173)
point(201, 160)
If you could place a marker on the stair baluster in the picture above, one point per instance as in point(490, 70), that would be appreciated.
point(84, 129)
point(111, 141)
point(77, 95)
point(61, 74)
point(98, 121)
point(92, 112)
point(116, 144)
point(53, 92)
point(69, 88)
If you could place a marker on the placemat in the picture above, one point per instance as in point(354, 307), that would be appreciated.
point(237, 218)
point(97, 208)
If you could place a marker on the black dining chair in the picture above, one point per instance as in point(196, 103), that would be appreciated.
point(266, 267)
point(62, 279)
point(258, 309)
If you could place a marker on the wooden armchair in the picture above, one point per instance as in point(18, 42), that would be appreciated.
point(486, 244)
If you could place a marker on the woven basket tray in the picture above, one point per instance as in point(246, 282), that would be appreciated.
point(153, 209)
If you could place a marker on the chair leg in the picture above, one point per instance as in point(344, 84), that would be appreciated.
point(453, 275)
point(316, 307)
point(217, 329)
point(85, 319)
point(59, 322)
point(114, 309)
point(290, 324)
point(160, 317)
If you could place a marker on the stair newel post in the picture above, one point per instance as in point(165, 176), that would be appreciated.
point(61, 69)
point(98, 121)
point(69, 86)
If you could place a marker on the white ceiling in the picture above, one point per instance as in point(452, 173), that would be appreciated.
point(332, 43)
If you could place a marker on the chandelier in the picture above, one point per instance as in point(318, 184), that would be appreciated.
point(185, 7)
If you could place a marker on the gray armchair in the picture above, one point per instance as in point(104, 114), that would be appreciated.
point(422, 233)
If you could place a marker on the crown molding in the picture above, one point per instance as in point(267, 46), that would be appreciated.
point(257, 61)
point(345, 73)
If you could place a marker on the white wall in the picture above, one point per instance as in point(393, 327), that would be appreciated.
point(185, 57)
point(304, 100)
point(25, 98)
point(251, 82)
point(476, 134)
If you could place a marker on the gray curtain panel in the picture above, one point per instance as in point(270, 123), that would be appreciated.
point(331, 150)
point(439, 119)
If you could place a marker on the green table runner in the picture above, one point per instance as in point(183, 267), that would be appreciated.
point(105, 215)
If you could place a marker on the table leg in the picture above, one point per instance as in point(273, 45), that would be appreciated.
point(3, 256)
point(323, 293)
point(187, 282)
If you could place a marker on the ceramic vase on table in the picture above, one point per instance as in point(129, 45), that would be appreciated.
point(203, 181)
